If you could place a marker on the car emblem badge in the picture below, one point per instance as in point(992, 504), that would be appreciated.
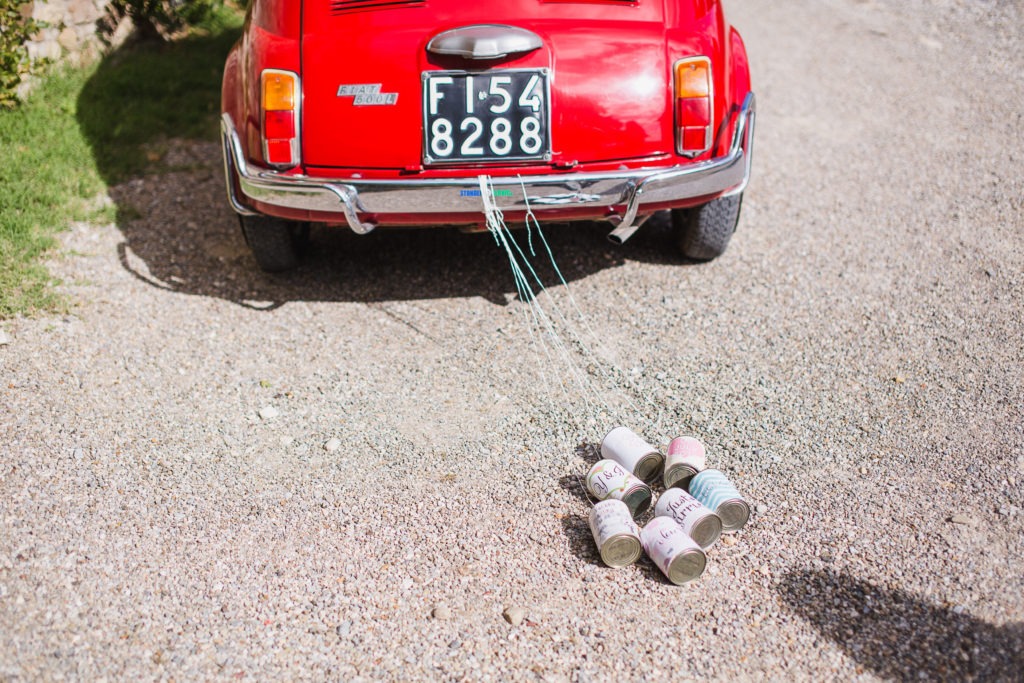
point(367, 95)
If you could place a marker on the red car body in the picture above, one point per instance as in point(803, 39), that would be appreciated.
point(366, 113)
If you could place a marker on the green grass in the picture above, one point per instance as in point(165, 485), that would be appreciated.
point(138, 100)
point(83, 130)
point(46, 181)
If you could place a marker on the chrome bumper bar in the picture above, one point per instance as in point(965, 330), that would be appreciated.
point(633, 189)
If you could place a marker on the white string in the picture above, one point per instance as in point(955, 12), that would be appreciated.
point(547, 332)
point(495, 224)
point(602, 367)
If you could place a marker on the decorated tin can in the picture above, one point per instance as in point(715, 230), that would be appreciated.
point(700, 523)
point(616, 534)
point(609, 479)
point(677, 555)
point(629, 450)
point(714, 489)
point(685, 458)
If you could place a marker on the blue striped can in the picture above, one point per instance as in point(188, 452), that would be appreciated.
point(715, 491)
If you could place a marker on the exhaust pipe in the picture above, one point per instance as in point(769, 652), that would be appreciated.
point(624, 230)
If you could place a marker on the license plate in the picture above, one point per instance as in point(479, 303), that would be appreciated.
point(486, 117)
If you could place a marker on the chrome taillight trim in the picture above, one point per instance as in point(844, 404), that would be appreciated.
point(710, 128)
point(296, 146)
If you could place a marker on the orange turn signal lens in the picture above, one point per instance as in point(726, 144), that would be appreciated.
point(693, 77)
point(279, 90)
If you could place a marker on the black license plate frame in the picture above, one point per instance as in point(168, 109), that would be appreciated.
point(486, 117)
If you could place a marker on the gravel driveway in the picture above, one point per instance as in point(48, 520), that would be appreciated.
point(352, 471)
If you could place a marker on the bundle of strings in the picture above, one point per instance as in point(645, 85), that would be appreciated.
point(564, 341)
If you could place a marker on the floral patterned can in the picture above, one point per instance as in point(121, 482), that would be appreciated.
point(608, 479)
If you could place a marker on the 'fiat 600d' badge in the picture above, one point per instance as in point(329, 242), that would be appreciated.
point(367, 94)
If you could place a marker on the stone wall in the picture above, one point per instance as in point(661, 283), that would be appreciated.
point(72, 29)
point(75, 32)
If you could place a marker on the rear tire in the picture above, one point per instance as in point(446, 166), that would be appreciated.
point(274, 242)
point(703, 232)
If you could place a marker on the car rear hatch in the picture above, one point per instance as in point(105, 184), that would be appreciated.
point(364, 92)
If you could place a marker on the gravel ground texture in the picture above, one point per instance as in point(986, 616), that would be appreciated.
point(368, 469)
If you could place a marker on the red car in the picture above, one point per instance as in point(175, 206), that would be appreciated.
point(367, 113)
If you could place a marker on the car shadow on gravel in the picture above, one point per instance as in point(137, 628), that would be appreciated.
point(150, 114)
point(180, 235)
point(898, 635)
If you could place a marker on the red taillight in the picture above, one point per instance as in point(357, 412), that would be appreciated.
point(694, 106)
point(280, 100)
point(694, 111)
point(279, 125)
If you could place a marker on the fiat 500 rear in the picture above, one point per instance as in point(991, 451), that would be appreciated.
point(367, 113)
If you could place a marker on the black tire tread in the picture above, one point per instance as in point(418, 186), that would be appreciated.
point(703, 232)
point(272, 241)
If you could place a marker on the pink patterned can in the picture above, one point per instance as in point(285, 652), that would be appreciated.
point(686, 457)
point(700, 523)
point(677, 555)
point(616, 534)
point(608, 479)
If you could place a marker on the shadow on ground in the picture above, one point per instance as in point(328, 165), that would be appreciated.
point(897, 635)
point(188, 240)
point(151, 116)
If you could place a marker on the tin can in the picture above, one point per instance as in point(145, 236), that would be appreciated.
point(616, 534)
point(677, 555)
point(685, 458)
point(629, 450)
point(714, 490)
point(700, 523)
point(609, 479)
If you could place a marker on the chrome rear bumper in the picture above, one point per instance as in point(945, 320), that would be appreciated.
point(633, 189)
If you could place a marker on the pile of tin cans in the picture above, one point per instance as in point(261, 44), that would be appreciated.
point(689, 517)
